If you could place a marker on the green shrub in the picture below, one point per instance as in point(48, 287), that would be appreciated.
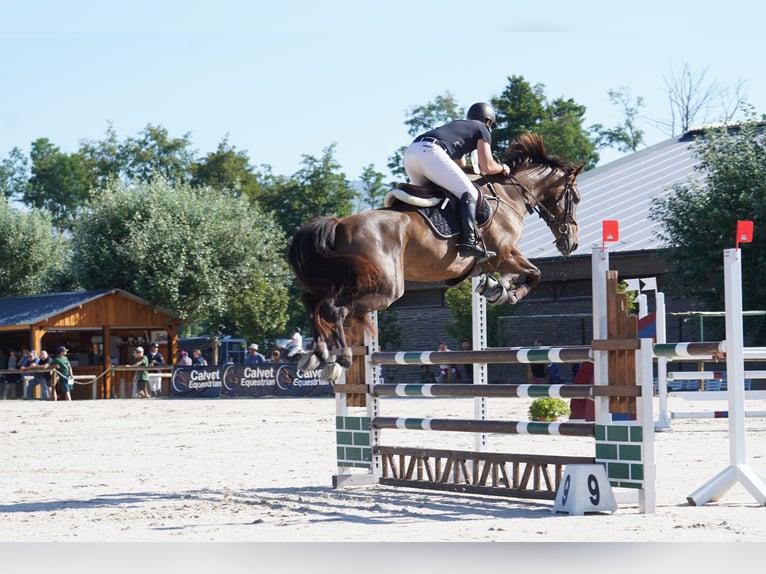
point(548, 409)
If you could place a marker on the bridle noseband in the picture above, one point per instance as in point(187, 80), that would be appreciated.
point(534, 205)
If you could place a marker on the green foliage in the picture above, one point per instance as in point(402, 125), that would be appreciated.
point(374, 190)
point(226, 168)
point(318, 188)
point(548, 409)
point(627, 136)
point(441, 110)
point(35, 256)
point(59, 182)
point(458, 300)
point(202, 253)
point(523, 108)
point(699, 217)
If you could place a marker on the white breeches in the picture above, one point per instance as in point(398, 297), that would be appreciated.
point(426, 161)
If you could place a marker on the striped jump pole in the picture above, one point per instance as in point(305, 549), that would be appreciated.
point(511, 355)
point(498, 391)
point(485, 426)
point(689, 350)
point(713, 414)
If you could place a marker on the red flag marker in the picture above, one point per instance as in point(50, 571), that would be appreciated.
point(610, 232)
point(744, 232)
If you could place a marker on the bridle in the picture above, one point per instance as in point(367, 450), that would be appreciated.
point(534, 205)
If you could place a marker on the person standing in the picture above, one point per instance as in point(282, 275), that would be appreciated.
point(197, 359)
point(29, 363)
point(184, 360)
point(63, 369)
point(46, 362)
point(142, 375)
point(538, 371)
point(465, 345)
point(155, 380)
point(253, 356)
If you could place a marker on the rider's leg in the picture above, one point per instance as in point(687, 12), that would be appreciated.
point(468, 246)
point(428, 162)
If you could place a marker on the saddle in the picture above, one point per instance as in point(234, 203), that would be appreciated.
point(437, 206)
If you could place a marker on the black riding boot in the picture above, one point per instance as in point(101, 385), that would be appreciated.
point(468, 246)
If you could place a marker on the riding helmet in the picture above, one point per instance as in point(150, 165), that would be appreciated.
point(481, 111)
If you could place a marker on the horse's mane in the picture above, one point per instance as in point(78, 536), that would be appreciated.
point(528, 150)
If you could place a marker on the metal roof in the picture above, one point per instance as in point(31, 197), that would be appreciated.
point(621, 190)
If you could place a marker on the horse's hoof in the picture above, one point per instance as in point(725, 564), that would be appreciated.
point(308, 362)
point(331, 372)
point(346, 359)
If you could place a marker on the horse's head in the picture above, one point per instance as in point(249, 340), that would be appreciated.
point(558, 207)
point(547, 186)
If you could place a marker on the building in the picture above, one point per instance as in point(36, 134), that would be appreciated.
point(100, 328)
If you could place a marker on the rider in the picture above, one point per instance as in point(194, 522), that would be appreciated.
point(295, 346)
point(438, 156)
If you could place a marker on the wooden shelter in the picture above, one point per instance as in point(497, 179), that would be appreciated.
point(100, 328)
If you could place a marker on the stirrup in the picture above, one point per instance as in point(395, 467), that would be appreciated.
point(473, 250)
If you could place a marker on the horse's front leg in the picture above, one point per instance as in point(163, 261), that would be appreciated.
point(507, 289)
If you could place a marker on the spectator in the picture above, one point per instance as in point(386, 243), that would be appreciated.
point(64, 372)
point(276, 356)
point(12, 380)
point(465, 345)
point(45, 363)
point(448, 373)
point(155, 380)
point(142, 375)
point(538, 371)
point(28, 363)
point(295, 346)
point(426, 376)
point(183, 359)
point(253, 356)
point(197, 359)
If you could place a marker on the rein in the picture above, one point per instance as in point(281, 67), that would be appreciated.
point(534, 205)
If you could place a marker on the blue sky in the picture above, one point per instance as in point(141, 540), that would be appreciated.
point(283, 79)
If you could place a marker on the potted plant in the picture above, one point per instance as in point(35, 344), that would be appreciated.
point(548, 409)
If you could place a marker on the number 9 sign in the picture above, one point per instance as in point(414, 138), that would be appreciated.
point(584, 489)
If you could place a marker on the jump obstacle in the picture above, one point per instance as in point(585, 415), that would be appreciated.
point(623, 447)
point(539, 476)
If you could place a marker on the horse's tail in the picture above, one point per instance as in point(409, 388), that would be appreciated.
point(328, 276)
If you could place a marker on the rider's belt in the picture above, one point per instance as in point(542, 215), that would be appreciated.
point(433, 141)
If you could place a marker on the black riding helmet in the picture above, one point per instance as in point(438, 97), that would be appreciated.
point(481, 111)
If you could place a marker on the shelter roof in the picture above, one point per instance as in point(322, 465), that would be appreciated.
point(32, 309)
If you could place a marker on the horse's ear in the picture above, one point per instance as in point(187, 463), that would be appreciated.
point(578, 170)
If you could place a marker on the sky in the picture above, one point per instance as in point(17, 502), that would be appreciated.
point(284, 79)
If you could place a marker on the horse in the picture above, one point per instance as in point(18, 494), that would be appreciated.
point(350, 266)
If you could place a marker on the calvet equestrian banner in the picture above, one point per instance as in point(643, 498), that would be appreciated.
point(240, 380)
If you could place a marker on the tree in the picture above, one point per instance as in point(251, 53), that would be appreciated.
point(459, 302)
point(373, 189)
point(441, 110)
point(420, 119)
point(35, 256)
point(14, 174)
point(318, 188)
point(627, 136)
point(693, 99)
point(523, 108)
point(699, 217)
point(226, 168)
point(58, 184)
point(196, 251)
point(155, 154)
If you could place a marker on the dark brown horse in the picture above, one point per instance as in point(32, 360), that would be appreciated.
point(351, 266)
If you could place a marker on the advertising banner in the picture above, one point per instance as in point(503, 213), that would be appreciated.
point(196, 382)
point(280, 379)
